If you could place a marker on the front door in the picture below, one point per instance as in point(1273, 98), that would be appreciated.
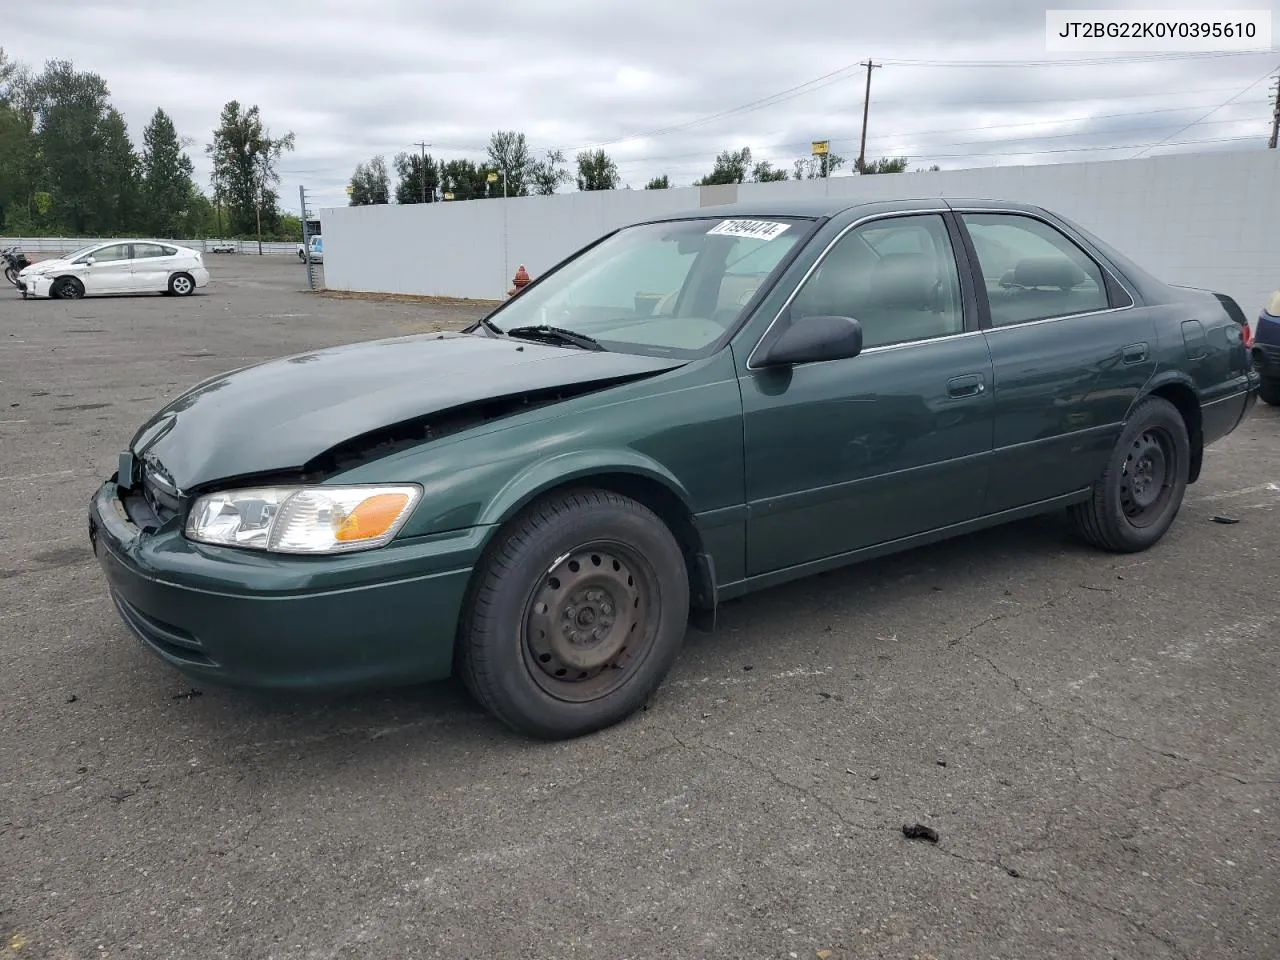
point(847, 454)
point(1071, 354)
point(111, 270)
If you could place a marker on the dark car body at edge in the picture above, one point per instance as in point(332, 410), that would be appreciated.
point(714, 445)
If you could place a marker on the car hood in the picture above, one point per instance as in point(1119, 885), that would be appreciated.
point(40, 266)
point(279, 415)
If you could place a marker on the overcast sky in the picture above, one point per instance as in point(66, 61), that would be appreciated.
point(655, 83)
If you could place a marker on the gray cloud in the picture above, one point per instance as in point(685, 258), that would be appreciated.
point(355, 80)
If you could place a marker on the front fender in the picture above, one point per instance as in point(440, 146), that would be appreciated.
point(575, 465)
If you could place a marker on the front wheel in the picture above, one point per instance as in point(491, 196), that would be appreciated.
point(11, 275)
point(1139, 494)
point(577, 613)
point(68, 288)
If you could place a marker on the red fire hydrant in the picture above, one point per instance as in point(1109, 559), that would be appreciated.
point(519, 281)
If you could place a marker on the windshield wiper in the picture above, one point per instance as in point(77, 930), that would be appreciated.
point(555, 334)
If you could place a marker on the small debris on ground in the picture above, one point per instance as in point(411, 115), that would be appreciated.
point(187, 695)
point(72, 699)
point(1012, 872)
point(1226, 520)
point(121, 794)
point(942, 763)
point(918, 831)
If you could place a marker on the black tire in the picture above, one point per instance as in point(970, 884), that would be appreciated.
point(1125, 514)
point(11, 275)
point(604, 570)
point(68, 288)
point(182, 285)
point(1270, 391)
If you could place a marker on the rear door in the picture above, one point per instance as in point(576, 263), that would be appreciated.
point(152, 264)
point(1071, 353)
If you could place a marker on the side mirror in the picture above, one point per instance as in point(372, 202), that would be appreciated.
point(90, 260)
point(814, 339)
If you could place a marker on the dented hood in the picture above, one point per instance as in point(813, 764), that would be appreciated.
point(281, 414)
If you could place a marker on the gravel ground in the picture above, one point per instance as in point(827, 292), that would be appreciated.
point(1093, 738)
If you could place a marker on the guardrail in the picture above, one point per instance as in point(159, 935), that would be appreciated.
point(49, 246)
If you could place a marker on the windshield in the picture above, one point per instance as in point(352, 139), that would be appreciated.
point(667, 289)
point(81, 252)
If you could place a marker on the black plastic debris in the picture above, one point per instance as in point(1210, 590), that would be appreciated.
point(918, 831)
point(1226, 520)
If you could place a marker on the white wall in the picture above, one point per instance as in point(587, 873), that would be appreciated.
point(1206, 219)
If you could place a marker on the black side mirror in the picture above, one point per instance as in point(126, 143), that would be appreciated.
point(814, 339)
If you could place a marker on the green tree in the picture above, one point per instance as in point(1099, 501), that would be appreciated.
point(818, 167)
point(419, 178)
point(119, 177)
point(766, 172)
point(597, 171)
point(548, 174)
point(886, 165)
point(465, 179)
point(731, 167)
point(245, 158)
point(19, 154)
point(370, 183)
point(509, 155)
point(659, 183)
point(69, 110)
point(168, 191)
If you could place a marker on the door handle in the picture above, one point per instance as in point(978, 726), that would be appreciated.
point(970, 385)
point(1134, 353)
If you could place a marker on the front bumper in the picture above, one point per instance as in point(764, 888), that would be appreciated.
point(36, 286)
point(245, 619)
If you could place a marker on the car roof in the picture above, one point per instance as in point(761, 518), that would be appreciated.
point(834, 206)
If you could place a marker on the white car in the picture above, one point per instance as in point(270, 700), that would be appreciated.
point(317, 250)
point(222, 246)
point(117, 266)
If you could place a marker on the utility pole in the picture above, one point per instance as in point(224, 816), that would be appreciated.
point(423, 169)
point(1275, 117)
point(866, 103)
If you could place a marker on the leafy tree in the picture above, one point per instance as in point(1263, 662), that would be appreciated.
point(731, 167)
point(509, 154)
point(597, 171)
point(659, 183)
point(465, 179)
point(245, 156)
point(118, 172)
point(549, 173)
point(419, 178)
point(766, 172)
point(370, 183)
point(168, 192)
point(19, 154)
point(886, 165)
point(818, 167)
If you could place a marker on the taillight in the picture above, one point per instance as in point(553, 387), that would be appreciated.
point(1248, 336)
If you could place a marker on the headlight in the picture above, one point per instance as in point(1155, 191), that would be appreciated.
point(318, 519)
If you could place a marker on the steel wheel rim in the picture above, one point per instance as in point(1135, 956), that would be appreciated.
point(1147, 477)
point(589, 621)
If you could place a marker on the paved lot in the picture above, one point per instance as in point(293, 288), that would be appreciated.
point(1094, 738)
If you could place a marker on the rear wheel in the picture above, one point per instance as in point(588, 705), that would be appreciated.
point(11, 275)
point(1139, 494)
point(577, 614)
point(68, 288)
point(181, 285)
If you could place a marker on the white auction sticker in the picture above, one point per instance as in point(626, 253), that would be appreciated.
point(755, 229)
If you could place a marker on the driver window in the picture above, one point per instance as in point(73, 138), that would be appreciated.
point(117, 251)
point(897, 277)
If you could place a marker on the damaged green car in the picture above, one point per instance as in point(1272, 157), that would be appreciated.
point(686, 410)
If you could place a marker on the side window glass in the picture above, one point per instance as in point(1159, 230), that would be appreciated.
point(897, 277)
point(143, 251)
point(117, 251)
point(1032, 271)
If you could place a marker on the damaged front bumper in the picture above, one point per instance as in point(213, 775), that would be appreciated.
point(248, 619)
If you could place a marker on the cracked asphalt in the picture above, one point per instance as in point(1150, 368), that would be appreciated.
point(1094, 738)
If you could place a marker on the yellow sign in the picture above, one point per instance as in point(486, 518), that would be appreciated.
point(820, 147)
point(448, 196)
point(492, 178)
point(350, 189)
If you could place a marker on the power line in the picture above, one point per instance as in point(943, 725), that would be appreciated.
point(1207, 115)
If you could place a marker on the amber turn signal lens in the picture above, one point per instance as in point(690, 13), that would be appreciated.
point(372, 517)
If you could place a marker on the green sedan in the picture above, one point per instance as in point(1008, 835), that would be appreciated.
point(685, 411)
